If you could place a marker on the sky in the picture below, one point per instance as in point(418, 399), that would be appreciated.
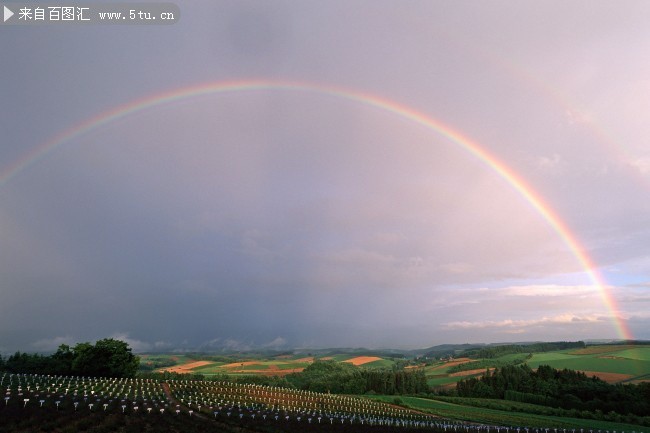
point(400, 175)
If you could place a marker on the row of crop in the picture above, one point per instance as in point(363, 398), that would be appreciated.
point(217, 400)
point(80, 387)
point(256, 401)
point(229, 402)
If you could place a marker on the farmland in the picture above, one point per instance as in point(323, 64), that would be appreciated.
point(248, 364)
point(493, 412)
point(47, 403)
point(57, 403)
point(234, 393)
point(50, 403)
point(611, 363)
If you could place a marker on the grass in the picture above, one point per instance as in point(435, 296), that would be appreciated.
point(341, 357)
point(263, 365)
point(208, 369)
point(506, 417)
point(633, 367)
point(626, 359)
point(380, 363)
point(603, 349)
point(443, 381)
point(636, 353)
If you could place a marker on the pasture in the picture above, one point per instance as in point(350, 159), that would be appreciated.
point(611, 363)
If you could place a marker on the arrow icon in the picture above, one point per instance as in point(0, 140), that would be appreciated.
point(8, 13)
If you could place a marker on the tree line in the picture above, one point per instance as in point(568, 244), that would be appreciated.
point(567, 389)
point(105, 358)
point(497, 351)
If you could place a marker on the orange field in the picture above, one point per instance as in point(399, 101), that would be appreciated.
point(453, 363)
point(185, 368)
point(360, 360)
point(608, 377)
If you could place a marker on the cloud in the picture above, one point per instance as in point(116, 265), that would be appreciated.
point(273, 216)
point(551, 290)
point(228, 345)
point(550, 163)
point(641, 165)
point(521, 325)
point(277, 343)
point(52, 344)
point(139, 346)
point(578, 117)
point(457, 268)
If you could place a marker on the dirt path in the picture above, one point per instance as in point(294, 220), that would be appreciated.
point(175, 402)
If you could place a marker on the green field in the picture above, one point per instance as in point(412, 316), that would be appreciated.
point(380, 363)
point(340, 357)
point(637, 353)
point(633, 361)
point(506, 417)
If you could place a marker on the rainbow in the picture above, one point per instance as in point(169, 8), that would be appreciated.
point(403, 111)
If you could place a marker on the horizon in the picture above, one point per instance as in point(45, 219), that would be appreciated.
point(409, 351)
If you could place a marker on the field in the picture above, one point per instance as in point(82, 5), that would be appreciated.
point(60, 404)
point(611, 363)
point(506, 416)
point(438, 375)
point(273, 366)
point(35, 403)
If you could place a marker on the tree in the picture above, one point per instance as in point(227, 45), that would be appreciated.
point(62, 360)
point(330, 376)
point(107, 358)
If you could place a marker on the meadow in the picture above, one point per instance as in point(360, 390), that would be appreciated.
point(611, 363)
point(506, 413)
